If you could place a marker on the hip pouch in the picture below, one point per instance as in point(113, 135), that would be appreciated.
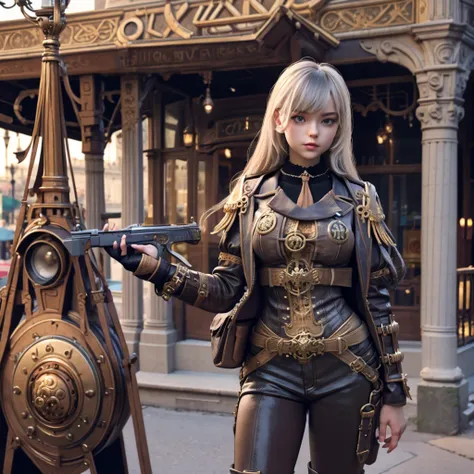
point(229, 340)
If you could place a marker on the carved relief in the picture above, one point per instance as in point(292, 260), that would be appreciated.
point(130, 103)
point(441, 66)
point(94, 32)
point(368, 16)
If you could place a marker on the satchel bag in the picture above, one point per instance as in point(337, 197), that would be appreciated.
point(230, 335)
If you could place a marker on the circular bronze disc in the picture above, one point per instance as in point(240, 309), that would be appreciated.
point(295, 242)
point(266, 223)
point(338, 232)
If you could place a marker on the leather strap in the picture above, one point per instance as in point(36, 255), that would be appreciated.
point(349, 334)
point(269, 276)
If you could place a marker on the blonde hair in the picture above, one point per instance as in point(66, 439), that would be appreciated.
point(304, 86)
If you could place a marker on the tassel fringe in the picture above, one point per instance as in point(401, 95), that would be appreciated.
point(370, 210)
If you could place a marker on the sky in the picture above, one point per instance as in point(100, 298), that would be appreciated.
point(15, 14)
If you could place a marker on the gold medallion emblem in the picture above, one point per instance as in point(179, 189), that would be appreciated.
point(338, 232)
point(266, 223)
point(295, 242)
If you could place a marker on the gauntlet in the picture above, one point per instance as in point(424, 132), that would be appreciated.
point(143, 266)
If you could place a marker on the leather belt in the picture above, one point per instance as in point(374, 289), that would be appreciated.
point(305, 346)
point(269, 276)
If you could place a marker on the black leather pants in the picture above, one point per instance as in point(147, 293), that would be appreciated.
point(271, 417)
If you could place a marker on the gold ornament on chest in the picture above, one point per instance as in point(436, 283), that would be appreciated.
point(298, 278)
point(266, 223)
point(338, 232)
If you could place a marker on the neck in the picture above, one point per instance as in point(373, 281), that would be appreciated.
point(297, 160)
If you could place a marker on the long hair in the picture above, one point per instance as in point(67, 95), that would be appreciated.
point(306, 87)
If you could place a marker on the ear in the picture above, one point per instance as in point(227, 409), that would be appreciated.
point(276, 118)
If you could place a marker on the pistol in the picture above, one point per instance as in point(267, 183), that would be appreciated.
point(163, 236)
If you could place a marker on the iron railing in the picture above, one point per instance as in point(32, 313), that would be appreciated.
point(465, 304)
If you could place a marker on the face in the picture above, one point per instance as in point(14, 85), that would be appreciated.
point(310, 135)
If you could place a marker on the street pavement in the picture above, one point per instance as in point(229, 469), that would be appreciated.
point(202, 443)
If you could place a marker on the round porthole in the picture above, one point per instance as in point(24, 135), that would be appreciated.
point(44, 263)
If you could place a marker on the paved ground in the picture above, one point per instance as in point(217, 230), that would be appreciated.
point(202, 443)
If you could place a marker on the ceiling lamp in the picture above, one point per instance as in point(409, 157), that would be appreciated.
point(208, 103)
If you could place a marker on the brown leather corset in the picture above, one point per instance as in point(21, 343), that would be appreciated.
point(299, 241)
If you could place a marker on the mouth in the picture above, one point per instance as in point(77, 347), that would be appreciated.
point(311, 146)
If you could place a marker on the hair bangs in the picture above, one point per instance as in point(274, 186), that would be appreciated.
point(310, 93)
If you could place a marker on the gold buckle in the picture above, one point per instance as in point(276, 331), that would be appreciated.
point(341, 345)
point(358, 365)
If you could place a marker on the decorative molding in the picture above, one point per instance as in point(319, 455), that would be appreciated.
point(363, 15)
point(403, 50)
point(441, 60)
point(204, 20)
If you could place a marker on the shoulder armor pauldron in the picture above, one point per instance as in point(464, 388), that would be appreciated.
point(371, 210)
point(241, 205)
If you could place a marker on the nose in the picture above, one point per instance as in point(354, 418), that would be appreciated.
point(313, 130)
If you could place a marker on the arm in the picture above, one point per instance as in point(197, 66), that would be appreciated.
point(387, 270)
point(217, 292)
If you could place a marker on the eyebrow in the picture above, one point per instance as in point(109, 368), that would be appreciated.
point(329, 113)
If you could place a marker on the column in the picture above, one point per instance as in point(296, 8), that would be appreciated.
point(131, 317)
point(93, 144)
point(443, 392)
point(158, 339)
point(441, 57)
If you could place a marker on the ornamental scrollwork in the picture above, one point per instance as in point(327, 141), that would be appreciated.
point(376, 15)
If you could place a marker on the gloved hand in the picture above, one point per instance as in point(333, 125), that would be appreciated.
point(142, 260)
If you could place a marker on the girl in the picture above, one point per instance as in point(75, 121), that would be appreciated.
point(306, 262)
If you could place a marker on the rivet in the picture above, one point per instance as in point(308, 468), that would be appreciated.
point(17, 390)
point(70, 436)
point(25, 370)
point(17, 441)
point(30, 431)
point(85, 420)
point(90, 393)
point(85, 448)
point(24, 414)
point(86, 463)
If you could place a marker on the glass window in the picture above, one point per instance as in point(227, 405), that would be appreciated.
point(176, 191)
point(174, 124)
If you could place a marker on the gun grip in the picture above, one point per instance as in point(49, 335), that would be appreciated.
point(177, 256)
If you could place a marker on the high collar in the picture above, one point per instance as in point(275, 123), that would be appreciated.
point(296, 170)
point(334, 203)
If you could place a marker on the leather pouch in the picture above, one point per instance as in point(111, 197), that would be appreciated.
point(229, 338)
point(367, 443)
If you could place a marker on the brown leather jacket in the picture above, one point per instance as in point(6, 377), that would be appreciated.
point(233, 287)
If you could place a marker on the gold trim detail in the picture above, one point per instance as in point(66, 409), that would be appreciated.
point(391, 359)
point(370, 210)
point(230, 258)
point(170, 287)
point(147, 266)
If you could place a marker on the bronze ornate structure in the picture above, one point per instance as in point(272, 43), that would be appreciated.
point(67, 381)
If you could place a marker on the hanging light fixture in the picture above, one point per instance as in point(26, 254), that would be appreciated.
point(208, 103)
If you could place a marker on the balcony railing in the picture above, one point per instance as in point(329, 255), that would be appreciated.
point(465, 303)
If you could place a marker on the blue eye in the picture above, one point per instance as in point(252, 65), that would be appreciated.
point(298, 118)
point(329, 121)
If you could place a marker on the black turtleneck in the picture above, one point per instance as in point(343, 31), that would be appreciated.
point(320, 185)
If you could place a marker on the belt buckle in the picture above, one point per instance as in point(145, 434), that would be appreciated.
point(358, 364)
point(341, 345)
